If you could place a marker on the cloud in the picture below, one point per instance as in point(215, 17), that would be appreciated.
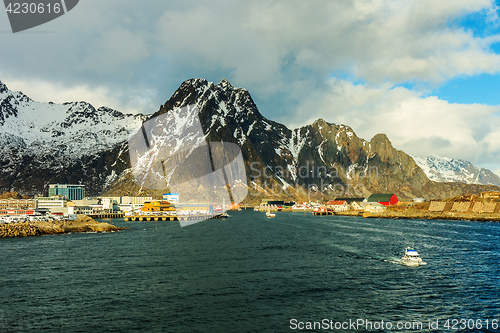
point(397, 41)
point(264, 46)
point(414, 123)
point(300, 60)
point(212, 37)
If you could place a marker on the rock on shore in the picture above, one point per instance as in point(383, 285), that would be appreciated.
point(35, 228)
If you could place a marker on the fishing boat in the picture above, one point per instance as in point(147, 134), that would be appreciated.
point(411, 258)
point(269, 214)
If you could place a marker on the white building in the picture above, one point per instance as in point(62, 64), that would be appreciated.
point(51, 202)
point(373, 207)
point(171, 197)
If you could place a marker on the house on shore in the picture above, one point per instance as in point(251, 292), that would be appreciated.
point(384, 199)
point(373, 207)
point(337, 205)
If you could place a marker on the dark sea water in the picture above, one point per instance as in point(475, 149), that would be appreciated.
point(249, 273)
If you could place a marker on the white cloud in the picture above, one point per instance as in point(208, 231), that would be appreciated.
point(132, 55)
point(214, 37)
point(377, 40)
point(497, 172)
point(264, 46)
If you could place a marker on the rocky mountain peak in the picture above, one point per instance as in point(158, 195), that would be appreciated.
point(212, 100)
point(381, 139)
point(194, 83)
point(445, 169)
point(3, 88)
point(225, 84)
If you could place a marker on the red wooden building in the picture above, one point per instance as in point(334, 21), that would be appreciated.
point(384, 199)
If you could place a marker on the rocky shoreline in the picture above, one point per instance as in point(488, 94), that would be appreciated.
point(37, 228)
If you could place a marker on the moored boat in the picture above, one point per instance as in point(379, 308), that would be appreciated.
point(269, 214)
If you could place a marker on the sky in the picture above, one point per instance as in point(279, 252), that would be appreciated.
point(426, 73)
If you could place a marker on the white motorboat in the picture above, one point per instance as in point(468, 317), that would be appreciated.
point(269, 214)
point(411, 258)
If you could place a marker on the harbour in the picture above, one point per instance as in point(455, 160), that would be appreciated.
point(250, 274)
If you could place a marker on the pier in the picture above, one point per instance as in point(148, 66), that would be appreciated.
point(173, 218)
point(323, 213)
point(106, 215)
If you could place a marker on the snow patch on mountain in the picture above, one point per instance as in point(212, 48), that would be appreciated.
point(73, 129)
point(445, 169)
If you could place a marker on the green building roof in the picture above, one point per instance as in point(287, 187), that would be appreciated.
point(380, 197)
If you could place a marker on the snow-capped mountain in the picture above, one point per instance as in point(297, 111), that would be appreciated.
point(322, 156)
point(445, 169)
point(44, 143)
point(75, 129)
point(56, 138)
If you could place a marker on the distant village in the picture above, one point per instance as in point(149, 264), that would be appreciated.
point(68, 200)
point(484, 203)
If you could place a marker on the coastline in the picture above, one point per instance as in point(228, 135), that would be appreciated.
point(38, 228)
point(426, 215)
point(415, 214)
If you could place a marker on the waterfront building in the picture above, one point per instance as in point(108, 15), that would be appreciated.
point(85, 206)
point(16, 212)
point(85, 210)
point(492, 195)
point(171, 197)
point(157, 206)
point(351, 200)
point(194, 208)
point(373, 207)
point(84, 202)
point(49, 203)
point(129, 208)
point(337, 205)
point(357, 205)
point(18, 204)
point(57, 204)
point(70, 191)
point(384, 199)
point(128, 200)
point(277, 203)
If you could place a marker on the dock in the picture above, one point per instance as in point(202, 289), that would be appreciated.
point(106, 215)
point(323, 213)
point(173, 218)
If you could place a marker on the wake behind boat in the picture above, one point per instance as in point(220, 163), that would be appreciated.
point(411, 258)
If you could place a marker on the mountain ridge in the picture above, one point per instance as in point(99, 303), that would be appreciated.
point(76, 143)
point(229, 114)
point(43, 143)
point(445, 169)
